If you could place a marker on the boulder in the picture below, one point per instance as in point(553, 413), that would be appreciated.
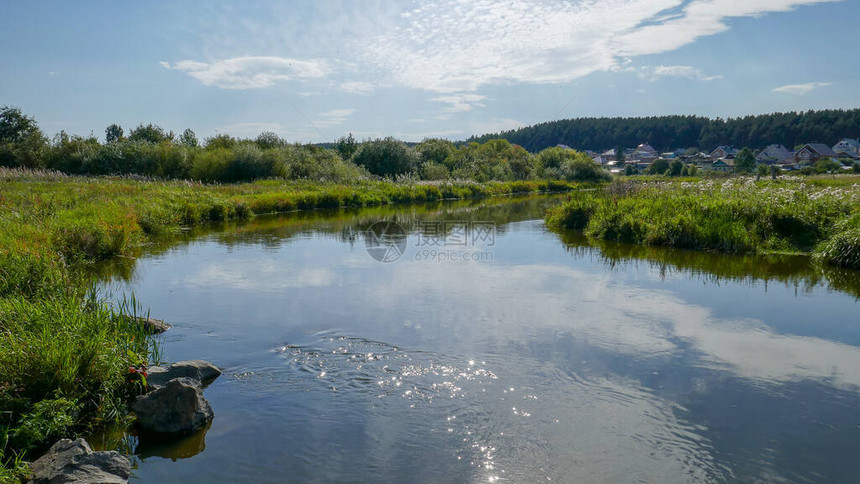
point(70, 461)
point(177, 408)
point(152, 326)
point(199, 370)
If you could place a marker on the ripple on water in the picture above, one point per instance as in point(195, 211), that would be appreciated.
point(562, 425)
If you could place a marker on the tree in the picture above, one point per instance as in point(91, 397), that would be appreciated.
point(745, 161)
point(268, 140)
point(676, 168)
point(856, 167)
point(658, 167)
point(149, 133)
point(113, 133)
point(435, 150)
point(762, 170)
point(346, 146)
point(629, 170)
point(189, 139)
point(774, 171)
point(386, 157)
point(21, 141)
point(221, 141)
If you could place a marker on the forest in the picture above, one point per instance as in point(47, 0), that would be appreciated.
point(671, 132)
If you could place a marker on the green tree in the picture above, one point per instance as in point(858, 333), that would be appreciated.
point(114, 133)
point(386, 157)
point(435, 150)
point(762, 170)
point(856, 167)
point(21, 141)
point(658, 167)
point(220, 141)
point(745, 161)
point(188, 139)
point(629, 170)
point(346, 146)
point(676, 168)
point(149, 133)
point(268, 140)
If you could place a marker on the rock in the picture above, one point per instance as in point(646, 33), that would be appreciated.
point(75, 462)
point(176, 408)
point(153, 326)
point(199, 370)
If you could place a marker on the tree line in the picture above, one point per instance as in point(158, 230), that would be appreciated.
point(671, 132)
point(149, 150)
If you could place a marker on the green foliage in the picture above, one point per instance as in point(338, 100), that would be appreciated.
point(149, 133)
point(762, 170)
point(733, 216)
point(676, 168)
point(114, 133)
point(434, 171)
point(268, 140)
point(630, 170)
point(669, 132)
point(826, 165)
point(745, 161)
point(569, 165)
point(188, 139)
point(856, 167)
point(386, 157)
point(435, 150)
point(221, 141)
point(21, 141)
point(346, 146)
point(658, 167)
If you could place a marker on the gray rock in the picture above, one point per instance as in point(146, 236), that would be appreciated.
point(202, 371)
point(176, 408)
point(75, 462)
point(153, 326)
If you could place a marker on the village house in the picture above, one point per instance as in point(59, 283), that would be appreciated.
point(812, 152)
point(847, 146)
point(774, 154)
point(645, 152)
point(723, 152)
point(609, 155)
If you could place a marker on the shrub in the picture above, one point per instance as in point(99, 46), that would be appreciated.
point(386, 157)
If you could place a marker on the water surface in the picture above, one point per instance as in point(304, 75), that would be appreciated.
point(542, 358)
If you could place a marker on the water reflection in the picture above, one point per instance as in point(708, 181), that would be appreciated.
point(554, 360)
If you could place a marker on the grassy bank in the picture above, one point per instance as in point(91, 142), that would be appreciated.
point(64, 355)
point(738, 215)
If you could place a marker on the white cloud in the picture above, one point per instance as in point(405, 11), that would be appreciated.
point(800, 89)
point(689, 72)
point(334, 117)
point(462, 102)
point(357, 87)
point(250, 72)
point(457, 46)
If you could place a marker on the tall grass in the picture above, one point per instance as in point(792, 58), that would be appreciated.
point(736, 216)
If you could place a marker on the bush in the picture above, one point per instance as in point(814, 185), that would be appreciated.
point(386, 157)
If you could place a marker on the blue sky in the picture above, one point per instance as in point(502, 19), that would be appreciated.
point(314, 71)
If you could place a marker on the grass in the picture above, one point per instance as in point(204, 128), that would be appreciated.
point(819, 216)
point(64, 354)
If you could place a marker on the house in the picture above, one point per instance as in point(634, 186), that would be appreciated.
point(812, 152)
point(847, 146)
point(564, 147)
point(723, 164)
point(723, 152)
point(645, 152)
point(609, 155)
point(773, 154)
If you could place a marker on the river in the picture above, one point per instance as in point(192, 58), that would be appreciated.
point(465, 342)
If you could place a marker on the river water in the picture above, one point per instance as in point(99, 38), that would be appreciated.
point(485, 348)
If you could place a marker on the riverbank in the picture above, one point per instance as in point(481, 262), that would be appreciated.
point(816, 216)
point(65, 356)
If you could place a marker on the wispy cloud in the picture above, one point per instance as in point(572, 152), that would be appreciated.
point(455, 46)
point(357, 87)
point(250, 72)
point(689, 72)
point(335, 117)
point(462, 102)
point(800, 89)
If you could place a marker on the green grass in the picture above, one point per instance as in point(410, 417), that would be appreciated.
point(64, 354)
point(737, 215)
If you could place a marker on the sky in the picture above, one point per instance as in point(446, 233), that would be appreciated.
point(313, 71)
